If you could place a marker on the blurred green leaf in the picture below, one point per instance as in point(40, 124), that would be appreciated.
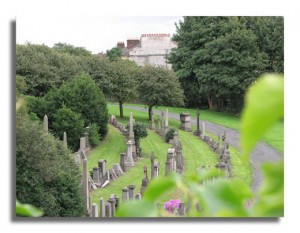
point(159, 186)
point(27, 210)
point(270, 201)
point(264, 105)
point(137, 208)
point(226, 198)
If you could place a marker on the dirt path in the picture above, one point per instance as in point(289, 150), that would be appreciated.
point(262, 152)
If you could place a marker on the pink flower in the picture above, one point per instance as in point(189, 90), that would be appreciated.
point(171, 205)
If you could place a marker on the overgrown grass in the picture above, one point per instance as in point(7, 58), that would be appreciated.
point(195, 152)
point(274, 137)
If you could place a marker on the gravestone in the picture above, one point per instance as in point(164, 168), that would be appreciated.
point(175, 139)
point(112, 201)
point(65, 140)
point(113, 175)
point(85, 184)
point(108, 210)
point(179, 161)
point(105, 184)
point(131, 191)
point(185, 120)
point(102, 169)
point(152, 158)
point(131, 133)
point(145, 180)
point(96, 177)
point(129, 160)
point(102, 207)
point(77, 157)
point(87, 141)
point(197, 131)
point(171, 158)
point(82, 143)
point(159, 124)
point(46, 124)
point(122, 161)
point(203, 130)
point(156, 169)
point(95, 210)
point(125, 194)
point(138, 196)
point(168, 167)
point(118, 170)
point(181, 210)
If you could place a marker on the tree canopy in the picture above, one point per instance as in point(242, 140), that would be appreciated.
point(114, 54)
point(217, 58)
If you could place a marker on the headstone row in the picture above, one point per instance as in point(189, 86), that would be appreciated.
point(163, 123)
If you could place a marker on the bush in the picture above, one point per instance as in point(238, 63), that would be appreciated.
point(46, 174)
point(169, 134)
point(140, 131)
point(36, 105)
point(65, 120)
point(94, 135)
point(20, 85)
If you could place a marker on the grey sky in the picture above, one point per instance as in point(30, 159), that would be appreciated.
point(95, 33)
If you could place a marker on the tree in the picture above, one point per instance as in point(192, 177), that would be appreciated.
point(46, 173)
point(159, 86)
point(83, 97)
point(221, 56)
point(65, 120)
point(122, 82)
point(44, 68)
point(72, 50)
point(114, 54)
point(20, 85)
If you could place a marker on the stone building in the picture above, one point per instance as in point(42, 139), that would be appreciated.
point(149, 49)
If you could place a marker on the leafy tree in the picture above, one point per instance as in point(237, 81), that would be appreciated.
point(44, 68)
point(121, 82)
point(93, 135)
point(159, 86)
point(140, 131)
point(72, 50)
point(83, 97)
point(36, 105)
point(46, 174)
point(221, 56)
point(20, 85)
point(114, 54)
point(65, 120)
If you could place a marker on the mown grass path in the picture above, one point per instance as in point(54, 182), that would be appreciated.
point(262, 153)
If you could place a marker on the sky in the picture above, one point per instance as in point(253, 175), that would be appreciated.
point(95, 33)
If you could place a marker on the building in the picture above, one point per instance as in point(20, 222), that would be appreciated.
point(149, 49)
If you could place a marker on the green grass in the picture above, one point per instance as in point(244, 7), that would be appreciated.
point(274, 137)
point(195, 152)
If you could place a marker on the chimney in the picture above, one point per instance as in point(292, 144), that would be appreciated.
point(121, 45)
point(132, 43)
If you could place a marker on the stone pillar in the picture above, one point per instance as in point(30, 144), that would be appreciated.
point(152, 158)
point(82, 143)
point(171, 158)
point(175, 139)
point(131, 133)
point(179, 162)
point(131, 191)
point(95, 210)
point(112, 202)
point(198, 132)
point(203, 129)
point(102, 207)
point(122, 161)
point(156, 169)
point(96, 177)
point(182, 210)
point(65, 140)
point(85, 184)
point(129, 159)
point(107, 210)
point(102, 168)
point(46, 124)
point(185, 120)
point(125, 195)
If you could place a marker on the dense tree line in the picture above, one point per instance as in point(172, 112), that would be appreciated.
point(217, 58)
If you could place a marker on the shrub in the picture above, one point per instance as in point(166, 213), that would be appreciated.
point(65, 120)
point(36, 105)
point(169, 134)
point(46, 174)
point(94, 135)
point(140, 131)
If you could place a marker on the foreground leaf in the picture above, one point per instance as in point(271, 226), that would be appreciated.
point(26, 210)
point(137, 208)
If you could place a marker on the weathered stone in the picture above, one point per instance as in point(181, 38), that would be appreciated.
point(46, 124)
point(168, 167)
point(175, 139)
point(156, 169)
point(138, 196)
point(85, 184)
point(152, 158)
point(87, 141)
point(129, 160)
point(112, 201)
point(181, 210)
point(125, 194)
point(203, 130)
point(131, 191)
point(65, 140)
point(118, 170)
point(96, 175)
point(145, 180)
point(108, 210)
point(95, 210)
point(102, 207)
point(82, 143)
point(131, 133)
point(197, 131)
point(105, 184)
point(122, 161)
point(185, 120)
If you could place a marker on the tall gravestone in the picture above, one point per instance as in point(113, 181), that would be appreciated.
point(131, 191)
point(122, 161)
point(95, 210)
point(129, 162)
point(85, 184)
point(112, 201)
point(65, 140)
point(203, 130)
point(156, 169)
point(198, 132)
point(108, 210)
point(125, 194)
point(102, 207)
point(96, 176)
point(87, 141)
point(131, 133)
point(46, 124)
point(82, 143)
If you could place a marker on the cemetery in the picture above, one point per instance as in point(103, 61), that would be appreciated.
point(100, 136)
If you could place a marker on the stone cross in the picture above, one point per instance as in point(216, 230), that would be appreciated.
point(46, 124)
point(131, 133)
point(65, 140)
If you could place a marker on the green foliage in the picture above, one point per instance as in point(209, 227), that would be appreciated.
point(65, 120)
point(20, 85)
point(159, 86)
point(46, 173)
point(25, 210)
point(36, 105)
point(218, 58)
point(94, 135)
point(169, 134)
point(83, 97)
point(258, 116)
point(114, 54)
point(44, 68)
point(140, 131)
point(72, 50)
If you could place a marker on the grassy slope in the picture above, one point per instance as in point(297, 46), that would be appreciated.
point(195, 154)
point(274, 137)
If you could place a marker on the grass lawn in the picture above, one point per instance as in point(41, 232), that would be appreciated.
point(274, 137)
point(195, 152)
